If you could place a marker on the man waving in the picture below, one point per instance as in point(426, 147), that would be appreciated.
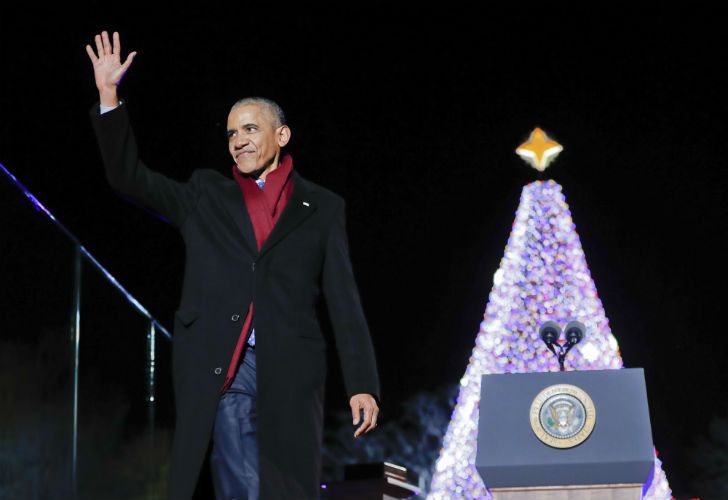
point(263, 246)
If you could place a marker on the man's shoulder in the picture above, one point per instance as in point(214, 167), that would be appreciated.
point(209, 176)
point(324, 195)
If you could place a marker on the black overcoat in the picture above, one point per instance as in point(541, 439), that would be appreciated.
point(305, 256)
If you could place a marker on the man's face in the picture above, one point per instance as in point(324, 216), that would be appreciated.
point(253, 140)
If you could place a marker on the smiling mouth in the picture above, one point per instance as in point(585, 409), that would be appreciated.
point(243, 153)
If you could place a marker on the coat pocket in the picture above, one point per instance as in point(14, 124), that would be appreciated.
point(186, 316)
point(312, 336)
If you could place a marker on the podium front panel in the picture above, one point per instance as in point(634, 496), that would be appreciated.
point(619, 450)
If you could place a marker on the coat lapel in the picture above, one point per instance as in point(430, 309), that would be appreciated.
point(235, 205)
point(298, 208)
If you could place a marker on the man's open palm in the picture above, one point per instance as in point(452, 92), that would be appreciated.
point(108, 69)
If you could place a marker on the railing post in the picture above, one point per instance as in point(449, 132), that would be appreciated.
point(75, 339)
point(151, 400)
point(151, 378)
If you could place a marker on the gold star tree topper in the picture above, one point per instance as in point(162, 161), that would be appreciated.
point(539, 150)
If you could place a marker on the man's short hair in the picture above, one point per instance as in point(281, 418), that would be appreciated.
point(271, 107)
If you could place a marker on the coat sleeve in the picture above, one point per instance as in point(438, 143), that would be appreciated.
point(129, 176)
point(351, 332)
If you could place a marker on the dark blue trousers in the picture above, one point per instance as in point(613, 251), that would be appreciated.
point(234, 456)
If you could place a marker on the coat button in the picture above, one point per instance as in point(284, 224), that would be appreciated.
point(218, 370)
point(235, 317)
point(252, 266)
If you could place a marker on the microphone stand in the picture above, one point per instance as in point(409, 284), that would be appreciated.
point(563, 351)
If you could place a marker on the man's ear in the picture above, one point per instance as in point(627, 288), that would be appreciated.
point(284, 135)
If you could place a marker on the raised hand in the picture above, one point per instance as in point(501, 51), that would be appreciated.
point(108, 69)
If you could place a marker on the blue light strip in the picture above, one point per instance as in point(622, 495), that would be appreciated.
point(129, 297)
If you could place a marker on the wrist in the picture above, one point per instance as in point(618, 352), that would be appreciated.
point(109, 97)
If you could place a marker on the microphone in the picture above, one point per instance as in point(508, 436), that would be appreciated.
point(550, 332)
point(574, 332)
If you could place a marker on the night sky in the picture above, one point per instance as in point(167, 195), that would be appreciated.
point(414, 120)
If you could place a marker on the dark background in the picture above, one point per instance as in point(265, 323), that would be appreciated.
point(414, 119)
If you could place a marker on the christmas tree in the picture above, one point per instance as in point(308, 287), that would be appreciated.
point(543, 276)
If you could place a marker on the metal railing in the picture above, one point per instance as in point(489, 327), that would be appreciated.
point(81, 254)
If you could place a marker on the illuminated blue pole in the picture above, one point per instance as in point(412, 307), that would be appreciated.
point(76, 341)
point(151, 399)
point(151, 380)
point(85, 253)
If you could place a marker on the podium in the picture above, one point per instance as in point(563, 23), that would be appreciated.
point(565, 435)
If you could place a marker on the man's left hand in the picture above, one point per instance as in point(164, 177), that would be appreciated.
point(367, 403)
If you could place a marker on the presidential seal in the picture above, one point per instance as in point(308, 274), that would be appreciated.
point(562, 416)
